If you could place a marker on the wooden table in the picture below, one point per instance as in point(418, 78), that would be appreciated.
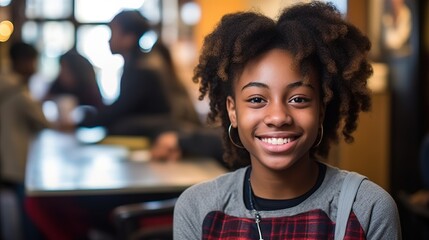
point(60, 165)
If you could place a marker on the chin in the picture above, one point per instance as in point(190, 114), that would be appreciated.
point(278, 163)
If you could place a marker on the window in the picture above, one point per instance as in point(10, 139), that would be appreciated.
point(56, 26)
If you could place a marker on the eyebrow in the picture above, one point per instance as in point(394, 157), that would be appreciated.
point(296, 84)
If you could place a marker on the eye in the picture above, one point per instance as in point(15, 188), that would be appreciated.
point(299, 100)
point(256, 100)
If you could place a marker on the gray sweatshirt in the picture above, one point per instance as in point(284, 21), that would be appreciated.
point(216, 210)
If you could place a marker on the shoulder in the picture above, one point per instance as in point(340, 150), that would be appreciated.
point(373, 192)
point(209, 195)
point(369, 197)
point(219, 186)
point(377, 212)
point(374, 208)
point(372, 197)
point(197, 201)
point(369, 192)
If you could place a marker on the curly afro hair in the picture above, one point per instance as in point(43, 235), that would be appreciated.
point(318, 38)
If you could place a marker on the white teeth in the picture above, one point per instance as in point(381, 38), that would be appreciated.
point(276, 141)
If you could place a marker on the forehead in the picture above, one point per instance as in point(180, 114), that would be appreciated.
point(274, 58)
point(272, 67)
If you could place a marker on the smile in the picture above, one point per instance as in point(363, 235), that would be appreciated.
point(277, 141)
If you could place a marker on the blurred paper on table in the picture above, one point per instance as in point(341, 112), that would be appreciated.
point(139, 155)
point(130, 142)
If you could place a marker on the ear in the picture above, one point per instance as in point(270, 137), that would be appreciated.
point(230, 107)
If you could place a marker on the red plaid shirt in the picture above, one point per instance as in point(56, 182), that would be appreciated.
point(314, 224)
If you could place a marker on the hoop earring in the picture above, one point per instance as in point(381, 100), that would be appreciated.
point(230, 138)
point(321, 137)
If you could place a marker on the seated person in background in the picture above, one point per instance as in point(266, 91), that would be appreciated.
point(21, 118)
point(142, 94)
point(76, 78)
point(76, 82)
point(183, 109)
point(198, 142)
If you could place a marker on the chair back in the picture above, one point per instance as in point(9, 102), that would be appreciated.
point(149, 220)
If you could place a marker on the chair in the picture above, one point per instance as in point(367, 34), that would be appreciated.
point(147, 221)
point(10, 222)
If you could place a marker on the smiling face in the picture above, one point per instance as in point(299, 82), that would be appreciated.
point(278, 115)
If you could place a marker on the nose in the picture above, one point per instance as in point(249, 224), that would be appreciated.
point(277, 114)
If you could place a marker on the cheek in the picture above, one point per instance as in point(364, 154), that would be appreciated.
point(114, 40)
point(247, 120)
point(309, 122)
point(247, 116)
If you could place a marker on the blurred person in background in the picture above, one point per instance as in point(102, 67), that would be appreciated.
point(21, 118)
point(197, 142)
point(76, 78)
point(397, 28)
point(76, 82)
point(145, 102)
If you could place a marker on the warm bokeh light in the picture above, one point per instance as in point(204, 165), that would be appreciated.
point(6, 29)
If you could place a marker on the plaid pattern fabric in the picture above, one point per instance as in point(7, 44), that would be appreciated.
point(314, 224)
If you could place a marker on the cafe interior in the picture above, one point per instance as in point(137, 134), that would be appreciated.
point(389, 146)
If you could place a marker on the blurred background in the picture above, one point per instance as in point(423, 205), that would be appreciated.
point(389, 138)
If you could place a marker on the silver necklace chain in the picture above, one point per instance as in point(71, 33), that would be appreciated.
point(254, 211)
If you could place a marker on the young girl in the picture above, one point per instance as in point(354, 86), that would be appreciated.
point(282, 89)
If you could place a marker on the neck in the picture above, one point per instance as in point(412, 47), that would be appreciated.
point(286, 184)
point(126, 56)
